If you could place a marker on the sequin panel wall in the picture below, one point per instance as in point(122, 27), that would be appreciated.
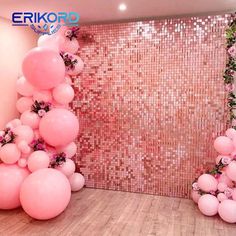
point(150, 102)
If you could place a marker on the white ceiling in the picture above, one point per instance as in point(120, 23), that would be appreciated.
point(107, 10)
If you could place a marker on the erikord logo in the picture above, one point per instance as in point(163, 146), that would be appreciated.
point(46, 22)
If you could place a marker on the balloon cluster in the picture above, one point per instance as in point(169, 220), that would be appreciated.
point(215, 191)
point(36, 170)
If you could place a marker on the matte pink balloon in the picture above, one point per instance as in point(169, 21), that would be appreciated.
point(76, 182)
point(31, 119)
point(49, 41)
point(71, 46)
point(223, 145)
point(78, 67)
point(11, 178)
point(23, 132)
point(22, 162)
point(225, 179)
point(38, 160)
point(23, 87)
point(24, 104)
point(43, 68)
point(42, 95)
point(24, 147)
point(231, 170)
point(13, 124)
point(195, 196)
point(68, 80)
point(222, 187)
point(234, 194)
point(67, 168)
point(59, 127)
point(207, 183)
point(231, 133)
point(9, 153)
point(45, 194)
point(221, 197)
point(208, 204)
point(227, 211)
point(63, 93)
point(69, 150)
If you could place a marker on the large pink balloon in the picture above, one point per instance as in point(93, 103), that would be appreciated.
point(63, 93)
point(11, 178)
point(227, 211)
point(207, 183)
point(71, 46)
point(69, 150)
point(23, 87)
point(79, 66)
point(59, 127)
point(24, 104)
point(43, 68)
point(38, 160)
point(67, 168)
point(42, 95)
point(31, 119)
point(9, 153)
point(23, 132)
point(231, 170)
point(223, 145)
point(45, 194)
point(208, 204)
point(76, 182)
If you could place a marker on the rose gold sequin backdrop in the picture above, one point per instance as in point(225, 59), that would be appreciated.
point(150, 102)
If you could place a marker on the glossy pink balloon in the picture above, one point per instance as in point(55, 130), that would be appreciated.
point(195, 196)
point(221, 197)
point(43, 68)
point(67, 168)
point(23, 87)
point(69, 150)
point(45, 194)
point(227, 211)
point(9, 153)
point(79, 66)
point(76, 182)
point(223, 145)
point(59, 127)
point(31, 119)
point(24, 104)
point(11, 178)
point(71, 46)
point(231, 170)
point(208, 204)
point(207, 183)
point(23, 132)
point(38, 160)
point(63, 93)
point(42, 95)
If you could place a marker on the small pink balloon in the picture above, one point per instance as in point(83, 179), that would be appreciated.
point(24, 104)
point(207, 183)
point(63, 93)
point(38, 160)
point(11, 178)
point(231, 133)
point(221, 197)
point(49, 41)
point(225, 179)
point(208, 204)
point(69, 150)
point(231, 170)
point(68, 80)
point(23, 87)
point(67, 168)
point(71, 46)
point(227, 211)
point(9, 153)
point(223, 145)
point(31, 119)
point(22, 162)
point(42, 95)
point(23, 132)
point(45, 194)
point(59, 127)
point(222, 187)
point(13, 124)
point(195, 196)
point(24, 147)
point(219, 157)
point(78, 66)
point(76, 182)
point(43, 68)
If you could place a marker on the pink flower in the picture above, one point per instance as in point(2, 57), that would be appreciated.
point(232, 51)
point(213, 193)
point(41, 112)
point(229, 87)
point(7, 138)
point(234, 122)
point(225, 160)
point(68, 33)
point(195, 186)
point(228, 192)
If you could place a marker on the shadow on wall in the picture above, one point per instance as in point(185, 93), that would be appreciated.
point(14, 43)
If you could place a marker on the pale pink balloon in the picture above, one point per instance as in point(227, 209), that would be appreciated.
point(208, 204)
point(24, 147)
point(42, 95)
point(49, 41)
point(71, 46)
point(23, 132)
point(45, 194)
point(9, 153)
point(233, 154)
point(13, 123)
point(221, 197)
point(195, 196)
point(231, 133)
point(234, 194)
point(63, 93)
point(78, 67)
point(11, 178)
point(59, 127)
point(43, 68)
point(69, 150)
point(227, 211)
point(67, 168)
point(231, 170)
point(36, 134)
point(225, 179)
point(24, 104)
point(222, 187)
point(223, 145)
point(38, 160)
point(31, 119)
point(23, 87)
point(76, 182)
point(22, 162)
point(68, 80)
point(207, 183)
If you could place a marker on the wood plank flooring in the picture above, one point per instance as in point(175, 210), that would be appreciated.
point(94, 212)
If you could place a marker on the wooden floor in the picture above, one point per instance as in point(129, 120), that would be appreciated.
point(101, 212)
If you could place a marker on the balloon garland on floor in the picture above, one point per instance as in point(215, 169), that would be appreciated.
point(215, 191)
point(37, 171)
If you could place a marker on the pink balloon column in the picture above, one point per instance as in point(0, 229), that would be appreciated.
point(38, 171)
point(215, 191)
